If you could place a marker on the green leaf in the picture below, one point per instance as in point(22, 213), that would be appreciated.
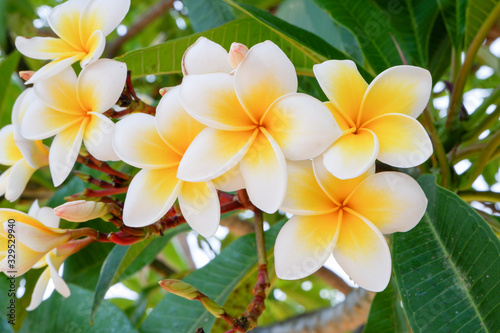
point(7, 66)
point(439, 50)
point(307, 15)
point(216, 280)
point(3, 25)
point(476, 13)
point(59, 314)
point(448, 267)
point(208, 14)
point(412, 23)
point(371, 26)
point(123, 261)
point(386, 312)
point(453, 12)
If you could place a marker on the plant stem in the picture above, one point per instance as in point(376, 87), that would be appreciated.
point(456, 96)
point(438, 145)
point(473, 129)
point(487, 196)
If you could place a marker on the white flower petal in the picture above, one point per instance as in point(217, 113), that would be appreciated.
point(40, 287)
point(230, 181)
point(104, 15)
point(52, 68)
point(34, 152)
point(150, 195)
point(302, 125)
point(205, 56)
point(304, 244)
point(27, 97)
point(18, 179)
point(46, 216)
point(200, 207)
point(45, 48)
point(98, 137)
point(54, 264)
point(59, 92)
point(95, 46)
point(9, 152)
point(264, 171)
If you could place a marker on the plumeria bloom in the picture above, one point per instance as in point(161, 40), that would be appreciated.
point(255, 119)
point(24, 156)
point(36, 234)
point(82, 27)
point(204, 57)
point(377, 120)
point(54, 259)
point(71, 108)
point(346, 218)
point(156, 145)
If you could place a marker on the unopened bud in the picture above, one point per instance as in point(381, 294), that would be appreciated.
point(180, 288)
point(82, 210)
point(26, 75)
point(164, 90)
point(236, 54)
point(215, 309)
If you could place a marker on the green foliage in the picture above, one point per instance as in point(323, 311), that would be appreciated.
point(448, 267)
point(208, 14)
point(7, 67)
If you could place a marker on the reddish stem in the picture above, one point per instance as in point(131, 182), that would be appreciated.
point(104, 193)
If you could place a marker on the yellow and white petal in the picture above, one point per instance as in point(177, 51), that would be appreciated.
point(264, 170)
point(230, 181)
point(45, 48)
point(343, 85)
point(137, 142)
point(54, 264)
point(304, 244)
point(304, 196)
point(26, 259)
point(24, 100)
point(46, 216)
point(59, 92)
point(392, 201)
point(211, 99)
point(340, 119)
point(100, 84)
point(104, 15)
point(204, 57)
point(177, 128)
point(19, 177)
point(64, 151)
point(200, 206)
point(54, 67)
point(98, 137)
point(264, 75)
point(64, 20)
point(150, 195)
point(352, 154)
point(403, 141)
point(363, 254)
point(214, 152)
point(40, 239)
point(399, 89)
point(338, 190)
point(95, 47)
point(302, 125)
point(9, 153)
point(34, 152)
point(40, 287)
point(41, 122)
point(4, 179)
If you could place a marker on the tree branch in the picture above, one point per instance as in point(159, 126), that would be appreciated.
point(333, 280)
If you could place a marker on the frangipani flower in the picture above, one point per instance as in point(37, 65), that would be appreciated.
point(82, 210)
point(254, 118)
point(82, 27)
point(24, 156)
point(157, 144)
point(54, 259)
point(346, 218)
point(34, 239)
point(71, 109)
point(377, 120)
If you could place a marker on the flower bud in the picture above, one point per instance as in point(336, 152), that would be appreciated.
point(236, 54)
point(180, 288)
point(26, 75)
point(81, 210)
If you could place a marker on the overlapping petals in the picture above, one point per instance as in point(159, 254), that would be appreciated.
point(378, 120)
point(71, 108)
point(157, 145)
point(254, 117)
point(82, 27)
point(346, 218)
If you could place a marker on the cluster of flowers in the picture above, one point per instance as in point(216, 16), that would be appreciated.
point(235, 122)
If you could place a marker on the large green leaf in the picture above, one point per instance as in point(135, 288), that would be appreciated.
point(208, 14)
point(123, 261)
point(412, 22)
point(3, 25)
point(371, 26)
point(453, 12)
point(216, 280)
point(386, 313)
point(7, 66)
point(307, 15)
point(477, 11)
point(69, 315)
point(448, 267)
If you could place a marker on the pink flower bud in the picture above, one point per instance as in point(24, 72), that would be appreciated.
point(236, 54)
point(81, 210)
